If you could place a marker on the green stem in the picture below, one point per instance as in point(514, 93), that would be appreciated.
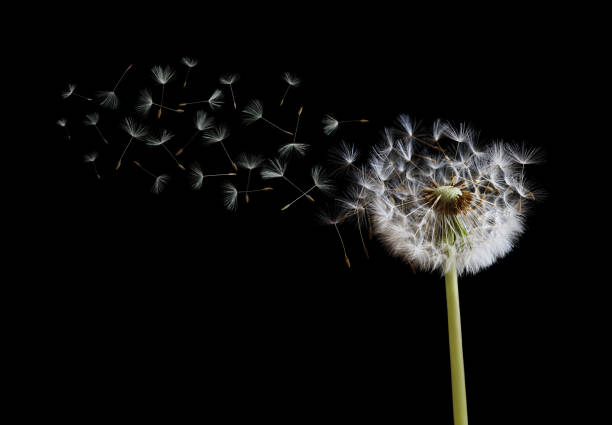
point(456, 347)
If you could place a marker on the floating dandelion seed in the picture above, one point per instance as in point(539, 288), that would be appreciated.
point(189, 63)
point(92, 120)
point(145, 102)
point(230, 196)
point(109, 99)
point(160, 181)
point(355, 204)
point(162, 75)
point(229, 80)
point(91, 158)
point(254, 112)
point(297, 123)
point(63, 122)
point(202, 123)
point(330, 124)
point(344, 155)
point(455, 209)
point(136, 131)
point(250, 162)
point(161, 139)
point(320, 181)
point(292, 81)
point(214, 101)
point(276, 168)
point(334, 219)
point(293, 150)
point(197, 176)
point(218, 135)
point(70, 92)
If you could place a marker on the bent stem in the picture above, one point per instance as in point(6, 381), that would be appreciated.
point(456, 346)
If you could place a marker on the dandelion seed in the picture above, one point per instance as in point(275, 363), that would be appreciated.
point(276, 168)
point(136, 131)
point(292, 81)
point(293, 150)
point(91, 158)
point(297, 124)
point(218, 135)
point(145, 102)
point(230, 196)
point(214, 101)
point(344, 155)
point(331, 124)
point(320, 181)
point(160, 140)
point(92, 120)
point(202, 123)
point(197, 176)
point(189, 63)
point(109, 99)
point(70, 91)
point(254, 112)
point(250, 162)
point(334, 219)
point(159, 182)
point(355, 204)
point(63, 122)
point(229, 80)
point(162, 75)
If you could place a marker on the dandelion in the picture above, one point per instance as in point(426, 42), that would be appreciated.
point(92, 120)
point(162, 75)
point(197, 176)
point(159, 182)
point(70, 91)
point(276, 168)
point(189, 63)
point(320, 181)
point(202, 123)
point(63, 122)
point(109, 99)
point(292, 81)
point(145, 102)
point(230, 196)
point(454, 216)
point(218, 135)
point(250, 162)
point(91, 158)
point(214, 101)
point(161, 139)
point(331, 124)
point(229, 80)
point(344, 155)
point(293, 150)
point(254, 112)
point(334, 219)
point(136, 131)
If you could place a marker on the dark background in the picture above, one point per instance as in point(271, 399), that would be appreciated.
point(174, 301)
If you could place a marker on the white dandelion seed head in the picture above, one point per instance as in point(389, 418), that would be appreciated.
point(252, 112)
point(229, 78)
point(90, 157)
point(216, 99)
point(430, 205)
point(108, 99)
point(69, 90)
point(217, 134)
point(230, 196)
point(160, 183)
point(330, 125)
point(406, 124)
point(144, 102)
point(274, 168)
point(92, 119)
point(344, 154)
point(293, 150)
point(202, 121)
point(159, 139)
point(321, 179)
point(196, 176)
point(62, 122)
point(134, 128)
point(525, 155)
point(189, 62)
point(250, 161)
point(162, 74)
point(291, 79)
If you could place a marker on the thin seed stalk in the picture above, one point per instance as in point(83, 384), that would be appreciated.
point(455, 345)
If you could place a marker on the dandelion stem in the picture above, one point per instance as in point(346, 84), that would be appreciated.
point(234, 166)
point(456, 346)
point(285, 95)
point(275, 126)
point(122, 75)
point(346, 259)
point(233, 98)
point(101, 135)
point(174, 158)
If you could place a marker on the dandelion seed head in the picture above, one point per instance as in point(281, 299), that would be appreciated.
point(330, 125)
point(69, 91)
point(291, 79)
point(162, 74)
point(217, 134)
point(189, 62)
point(229, 78)
point(144, 102)
point(344, 154)
point(230, 196)
point(160, 183)
point(108, 99)
point(274, 168)
point(252, 112)
point(250, 161)
point(321, 179)
point(196, 176)
point(92, 119)
point(134, 128)
point(160, 139)
point(216, 99)
point(293, 150)
point(202, 121)
point(62, 122)
point(90, 157)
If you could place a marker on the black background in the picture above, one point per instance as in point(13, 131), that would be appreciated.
point(169, 300)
